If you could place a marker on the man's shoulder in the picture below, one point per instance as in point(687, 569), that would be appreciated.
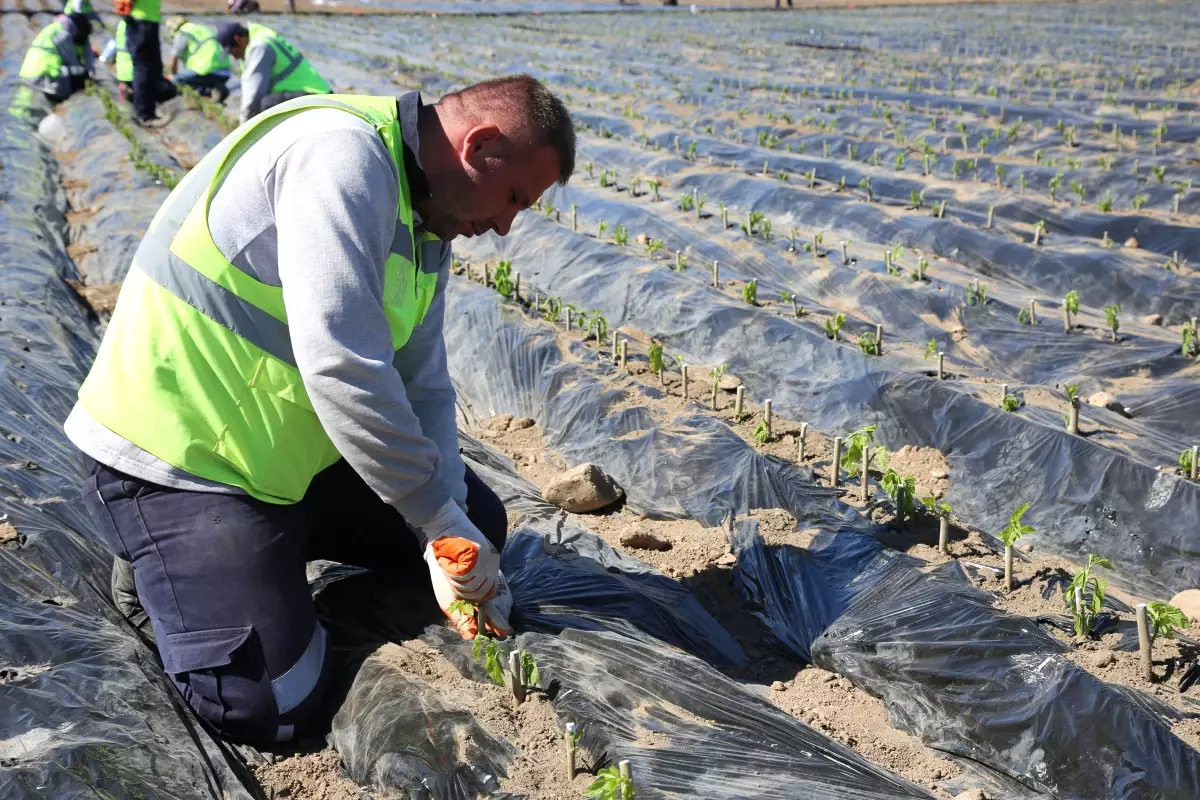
point(330, 139)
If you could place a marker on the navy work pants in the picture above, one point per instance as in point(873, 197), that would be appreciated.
point(222, 578)
point(149, 85)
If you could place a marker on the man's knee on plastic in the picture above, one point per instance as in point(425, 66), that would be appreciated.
point(223, 677)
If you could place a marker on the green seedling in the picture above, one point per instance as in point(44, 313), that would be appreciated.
point(1165, 619)
point(530, 674)
point(1084, 608)
point(600, 229)
point(610, 784)
point(620, 235)
point(937, 507)
point(892, 482)
point(597, 323)
point(852, 451)
point(931, 349)
point(1072, 392)
point(1079, 189)
point(865, 185)
point(605, 180)
point(760, 432)
point(1138, 201)
point(1010, 403)
point(656, 358)
point(898, 161)
point(1071, 304)
point(750, 292)
point(716, 374)
point(686, 202)
point(653, 246)
point(1159, 173)
point(1023, 316)
point(868, 344)
point(1185, 462)
point(551, 307)
point(486, 651)
point(1055, 184)
point(976, 294)
point(1105, 203)
point(654, 185)
point(1009, 535)
point(502, 277)
point(833, 326)
point(680, 261)
point(1112, 318)
point(1189, 345)
point(918, 274)
point(752, 223)
point(916, 200)
point(691, 152)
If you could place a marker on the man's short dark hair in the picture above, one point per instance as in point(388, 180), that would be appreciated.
point(526, 98)
point(82, 25)
point(227, 31)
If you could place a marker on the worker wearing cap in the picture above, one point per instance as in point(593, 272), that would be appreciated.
point(273, 386)
point(59, 60)
point(142, 18)
point(205, 63)
point(273, 70)
point(86, 8)
point(116, 52)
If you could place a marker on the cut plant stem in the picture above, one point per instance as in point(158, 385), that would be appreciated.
point(941, 366)
point(1032, 311)
point(569, 316)
point(517, 286)
point(767, 417)
point(1008, 570)
point(800, 443)
point(570, 747)
point(944, 536)
point(738, 399)
point(866, 477)
point(716, 275)
point(879, 339)
point(1073, 418)
point(837, 458)
point(1195, 462)
point(1003, 393)
point(1066, 319)
point(627, 773)
point(942, 210)
point(991, 216)
point(514, 672)
point(683, 370)
point(1143, 629)
point(623, 353)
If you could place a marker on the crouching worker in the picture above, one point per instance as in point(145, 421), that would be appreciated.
point(273, 387)
point(60, 60)
point(205, 63)
point(273, 71)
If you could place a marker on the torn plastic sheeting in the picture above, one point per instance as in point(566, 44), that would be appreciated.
point(967, 678)
point(399, 734)
point(1084, 498)
point(84, 708)
point(691, 466)
point(724, 740)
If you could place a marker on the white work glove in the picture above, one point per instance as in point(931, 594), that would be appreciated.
point(465, 566)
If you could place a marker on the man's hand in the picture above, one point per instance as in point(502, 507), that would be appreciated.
point(469, 563)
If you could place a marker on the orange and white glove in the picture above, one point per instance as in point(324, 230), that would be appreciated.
point(493, 612)
point(463, 564)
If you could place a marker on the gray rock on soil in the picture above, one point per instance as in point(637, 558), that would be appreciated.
point(1106, 400)
point(1188, 601)
point(939, 474)
point(641, 539)
point(729, 383)
point(582, 489)
point(1131, 243)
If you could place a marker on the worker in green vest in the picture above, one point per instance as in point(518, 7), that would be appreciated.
point(273, 387)
point(84, 7)
point(142, 18)
point(206, 66)
point(116, 52)
point(59, 61)
point(273, 70)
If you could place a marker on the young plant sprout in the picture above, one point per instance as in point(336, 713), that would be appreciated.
point(1039, 232)
point(502, 277)
point(750, 291)
point(868, 344)
point(597, 322)
point(680, 261)
point(1010, 403)
point(1189, 346)
point(893, 484)
point(1085, 609)
point(915, 200)
point(918, 274)
point(834, 325)
point(620, 235)
point(716, 374)
point(1008, 536)
point(653, 246)
point(656, 358)
point(852, 452)
point(486, 651)
point(600, 229)
point(654, 183)
point(931, 349)
point(610, 784)
point(686, 202)
point(1165, 619)
point(1138, 201)
point(1105, 204)
point(760, 432)
point(865, 185)
point(1071, 306)
point(1185, 462)
point(1159, 173)
point(1055, 184)
point(752, 223)
point(1112, 318)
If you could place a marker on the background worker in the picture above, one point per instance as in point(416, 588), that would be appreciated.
point(116, 52)
point(86, 8)
point(273, 70)
point(59, 60)
point(206, 65)
point(273, 389)
point(142, 18)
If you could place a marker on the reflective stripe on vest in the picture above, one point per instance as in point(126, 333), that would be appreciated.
point(291, 72)
point(204, 54)
point(196, 366)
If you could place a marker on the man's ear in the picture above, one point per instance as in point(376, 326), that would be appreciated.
point(480, 143)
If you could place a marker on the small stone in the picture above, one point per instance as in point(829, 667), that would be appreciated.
point(500, 422)
point(1026, 547)
point(7, 532)
point(521, 423)
point(727, 560)
point(971, 794)
point(829, 677)
point(1106, 400)
point(1103, 658)
point(643, 239)
point(582, 489)
point(1131, 243)
point(1152, 319)
point(729, 383)
point(939, 474)
point(1188, 601)
point(640, 539)
point(778, 686)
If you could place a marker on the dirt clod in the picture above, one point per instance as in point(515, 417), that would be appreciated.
point(582, 489)
point(8, 532)
point(642, 539)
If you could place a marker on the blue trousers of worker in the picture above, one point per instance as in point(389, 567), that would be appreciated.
point(149, 85)
point(222, 579)
point(212, 84)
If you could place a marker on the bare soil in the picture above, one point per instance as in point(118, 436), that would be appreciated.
point(311, 776)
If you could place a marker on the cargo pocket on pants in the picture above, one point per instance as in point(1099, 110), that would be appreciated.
point(191, 659)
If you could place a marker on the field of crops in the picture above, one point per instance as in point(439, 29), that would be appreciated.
point(969, 230)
